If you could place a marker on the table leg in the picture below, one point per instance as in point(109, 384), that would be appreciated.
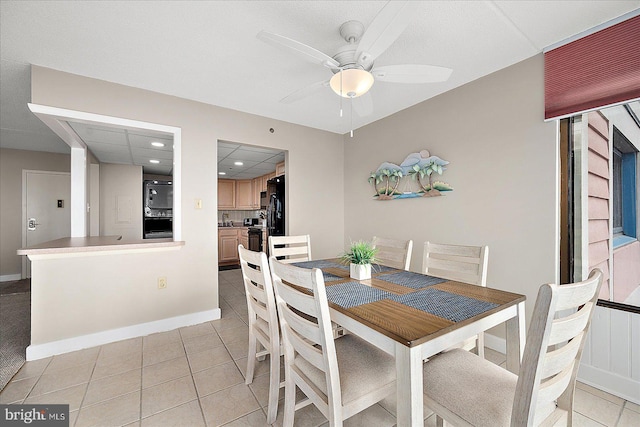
point(409, 385)
point(516, 338)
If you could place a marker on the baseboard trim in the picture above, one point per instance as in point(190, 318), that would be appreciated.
point(40, 351)
point(10, 277)
point(610, 382)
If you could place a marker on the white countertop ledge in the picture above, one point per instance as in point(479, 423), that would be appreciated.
point(102, 245)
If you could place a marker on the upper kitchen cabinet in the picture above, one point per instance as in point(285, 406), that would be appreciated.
point(280, 169)
point(244, 194)
point(226, 194)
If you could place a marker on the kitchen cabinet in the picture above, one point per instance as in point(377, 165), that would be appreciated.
point(228, 245)
point(271, 175)
point(280, 169)
point(226, 194)
point(256, 184)
point(244, 194)
point(264, 179)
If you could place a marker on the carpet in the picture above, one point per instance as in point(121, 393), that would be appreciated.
point(15, 329)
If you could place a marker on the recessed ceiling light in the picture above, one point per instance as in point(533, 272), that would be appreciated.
point(157, 144)
point(222, 173)
point(238, 163)
point(155, 162)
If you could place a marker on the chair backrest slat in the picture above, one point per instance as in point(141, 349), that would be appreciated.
point(557, 360)
point(292, 248)
point(393, 253)
point(566, 328)
point(455, 262)
point(555, 340)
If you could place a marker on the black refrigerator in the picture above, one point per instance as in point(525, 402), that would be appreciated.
point(275, 209)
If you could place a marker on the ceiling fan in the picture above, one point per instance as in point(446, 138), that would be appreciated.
point(353, 64)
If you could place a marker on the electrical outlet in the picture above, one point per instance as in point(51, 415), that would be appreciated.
point(198, 203)
point(162, 282)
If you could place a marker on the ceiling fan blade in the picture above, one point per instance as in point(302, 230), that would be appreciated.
point(304, 92)
point(409, 73)
point(363, 104)
point(300, 49)
point(385, 28)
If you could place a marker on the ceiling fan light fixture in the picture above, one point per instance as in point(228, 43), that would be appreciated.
point(355, 82)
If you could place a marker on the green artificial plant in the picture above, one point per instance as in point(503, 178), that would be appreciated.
point(360, 252)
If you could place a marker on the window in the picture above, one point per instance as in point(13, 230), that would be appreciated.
point(624, 190)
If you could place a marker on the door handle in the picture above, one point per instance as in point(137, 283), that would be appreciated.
point(31, 224)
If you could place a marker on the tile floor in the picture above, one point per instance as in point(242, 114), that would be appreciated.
point(194, 376)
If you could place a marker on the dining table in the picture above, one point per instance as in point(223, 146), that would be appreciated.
point(413, 317)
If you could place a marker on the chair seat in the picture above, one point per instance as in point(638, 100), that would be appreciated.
point(362, 366)
point(476, 390)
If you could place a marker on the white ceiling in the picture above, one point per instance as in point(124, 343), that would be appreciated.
point(256, 161)
point(208, 51)
point(128, 146)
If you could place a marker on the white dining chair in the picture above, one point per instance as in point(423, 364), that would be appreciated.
point(263, 322)
point(289, 249)
point(466, 264)
point(393, 253)
point(340, 377)
point(467, 390)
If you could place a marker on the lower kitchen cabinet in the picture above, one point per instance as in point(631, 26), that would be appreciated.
point(228, 246)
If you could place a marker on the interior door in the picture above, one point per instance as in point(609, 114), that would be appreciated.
point(47, 213)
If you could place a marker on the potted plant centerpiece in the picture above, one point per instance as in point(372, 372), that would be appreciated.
point(360, 256)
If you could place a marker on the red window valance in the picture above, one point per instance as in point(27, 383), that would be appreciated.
point(594, 71)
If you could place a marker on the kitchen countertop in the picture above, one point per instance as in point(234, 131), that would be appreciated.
point(75, 245)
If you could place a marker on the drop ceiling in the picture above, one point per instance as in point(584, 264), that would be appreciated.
point(207, 51)
point(256, 161)
point(128, 146)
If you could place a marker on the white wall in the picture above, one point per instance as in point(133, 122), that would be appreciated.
point(315, 206)
point(503, 170)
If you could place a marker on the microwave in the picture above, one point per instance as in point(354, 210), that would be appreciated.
point(251, 221)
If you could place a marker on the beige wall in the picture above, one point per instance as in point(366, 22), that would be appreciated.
point(503, 170)
point(12, 162)
point(121, 201)
point(191, 271)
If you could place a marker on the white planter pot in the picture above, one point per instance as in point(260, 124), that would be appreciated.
point(360, 271)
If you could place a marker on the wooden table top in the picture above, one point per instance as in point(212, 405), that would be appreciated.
point(406, 324)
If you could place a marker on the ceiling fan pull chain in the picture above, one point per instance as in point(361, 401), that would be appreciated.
point(351, 115)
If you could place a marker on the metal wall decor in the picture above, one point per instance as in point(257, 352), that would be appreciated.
point(414, 177)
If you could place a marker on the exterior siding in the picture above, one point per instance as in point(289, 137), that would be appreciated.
point(599, 197)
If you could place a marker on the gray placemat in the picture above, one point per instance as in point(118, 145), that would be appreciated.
point(444, 304)
point(320, 264)
point(328, 277)
point(352, 294)
point(411, 280)
point(377, 268)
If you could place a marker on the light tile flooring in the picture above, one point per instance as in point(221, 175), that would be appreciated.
point(194, 376)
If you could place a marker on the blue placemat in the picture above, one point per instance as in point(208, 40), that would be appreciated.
point(320, 264)
point(444, 304)
point(328, 277)
point(352, 294)
point(377, 268)
point(411, 280)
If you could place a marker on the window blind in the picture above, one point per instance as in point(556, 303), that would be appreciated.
point(594, 71)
